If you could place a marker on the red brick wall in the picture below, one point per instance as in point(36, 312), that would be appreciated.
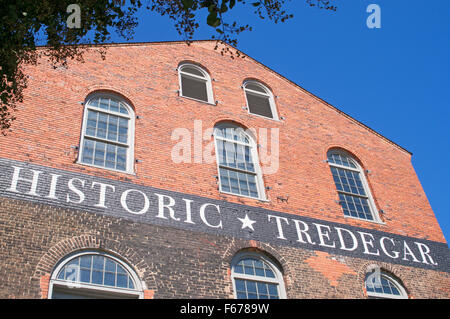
point(49, 123)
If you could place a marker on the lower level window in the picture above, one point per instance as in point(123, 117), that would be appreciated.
point(380, 285)
point(93, 275)
point(256, 277)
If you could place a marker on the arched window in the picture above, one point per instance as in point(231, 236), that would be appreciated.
point(260, 100)
point(381, 285)
point(255, 276)
point(108, 133)
point(352, 187)
point(94, 275)
point(195, 83)
point(238, 164)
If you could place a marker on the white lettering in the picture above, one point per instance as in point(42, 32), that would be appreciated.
point(52, 192)
point(301, 232)
point(383, 247)
point(123, 201)
point(408, 251)
point(102, 197)
point(367, 243)
point(75, 190)
point(324, 234)
point(202, 215)
point(341, 239)
point(280, 228)
point(188, 211)
point(161, 207)
point(425, 254)
point(16, 178)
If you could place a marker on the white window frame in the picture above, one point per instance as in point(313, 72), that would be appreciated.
point(278, 280)
point(358, 169)
point(131, 125)
point(394, 282)
point(206, 78)
point(254, 152)
point(138, 291)
point(268, 94)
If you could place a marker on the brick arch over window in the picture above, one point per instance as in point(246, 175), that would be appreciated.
point(62, 249)
point(237, 247)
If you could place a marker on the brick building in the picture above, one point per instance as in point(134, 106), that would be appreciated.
point(172, 171)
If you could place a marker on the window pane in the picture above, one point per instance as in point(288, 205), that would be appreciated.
point(101, 125)
point(88, 151)
point(91, 125)
point(110, 279)
point(123, 109)
point(114, 105)
point(85, 275)
point(94, 102)
point(97, 277)
point(85, 262)
point(241, 295)
point(110, 265)
point(123, 130)
point(258, 104)
point(104, 103)
point(99, 158)
point(240, 285)
point(255, 87)
point(121, 158)
point(251, 286)
point(112, 127)
point(273, 290)
point(194, 88)
point(121, 281)
point(192, 70)
point(98, 262)
point(238, 269)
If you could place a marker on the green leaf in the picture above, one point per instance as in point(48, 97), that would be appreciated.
point(223, 7)
point(187, 4)
point(212, 19)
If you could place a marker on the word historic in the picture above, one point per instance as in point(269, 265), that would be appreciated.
point(161, 207)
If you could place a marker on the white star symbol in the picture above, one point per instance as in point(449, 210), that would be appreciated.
point(247, 222)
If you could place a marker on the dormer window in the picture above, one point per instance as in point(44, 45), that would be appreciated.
point(195, 83)
point(259, 100)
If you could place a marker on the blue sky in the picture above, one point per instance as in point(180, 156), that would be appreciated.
point(395, 80)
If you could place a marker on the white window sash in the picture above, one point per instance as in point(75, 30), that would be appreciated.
point(129, 163)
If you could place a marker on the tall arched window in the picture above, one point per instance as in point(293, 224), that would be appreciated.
point(93, 274)
point(238, 164)
point(108, 133)
point(352, 187)
point(260, 100)
point(255, 276)
point(383, 285)
point(195, 83)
